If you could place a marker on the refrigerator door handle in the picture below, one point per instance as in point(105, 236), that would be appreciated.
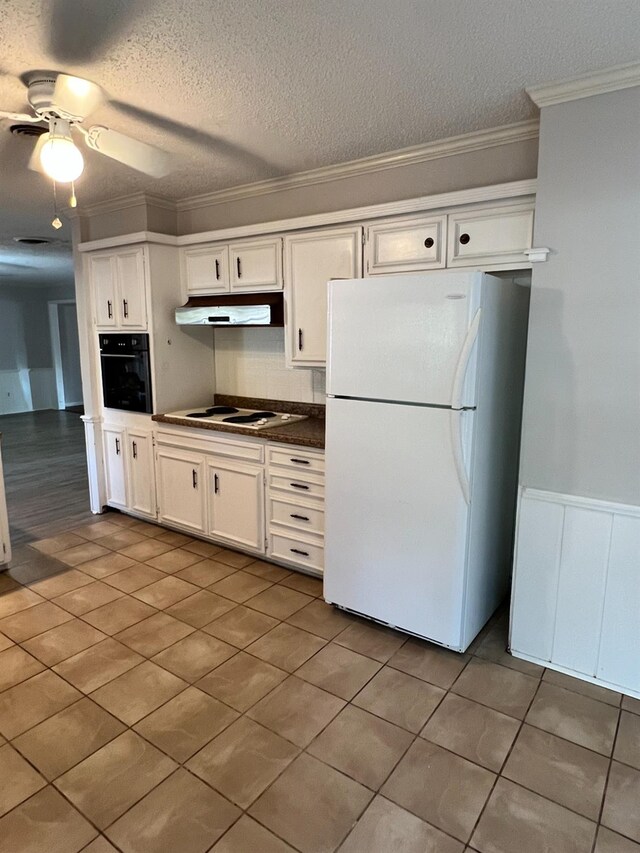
point(463, 362)
point(458, 452)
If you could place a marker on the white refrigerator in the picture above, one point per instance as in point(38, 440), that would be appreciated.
point(424, 397)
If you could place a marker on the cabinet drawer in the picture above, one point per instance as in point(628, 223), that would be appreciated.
point(185, 439)
point(298, 551)
point(296, 460)
point(405, 245)
point(297, 516)
point(490, 236)
point(303, 487)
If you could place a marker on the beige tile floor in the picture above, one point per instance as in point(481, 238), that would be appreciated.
point(159, 693)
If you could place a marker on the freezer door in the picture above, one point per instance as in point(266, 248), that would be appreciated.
point(406, 338)
point(396, 514)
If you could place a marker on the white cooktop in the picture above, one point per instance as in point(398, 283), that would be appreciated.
point(250, 419)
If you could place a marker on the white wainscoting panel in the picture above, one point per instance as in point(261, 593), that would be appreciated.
point(576, 589)
point(43, 388)
point(15, 391)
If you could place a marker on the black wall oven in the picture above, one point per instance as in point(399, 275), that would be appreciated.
point(126, 372)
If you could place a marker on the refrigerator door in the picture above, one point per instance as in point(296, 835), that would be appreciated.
point(405, 338)
point(396, 514)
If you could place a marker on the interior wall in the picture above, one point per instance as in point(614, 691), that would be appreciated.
point(251, 363)
point(582, 394)
point(27, 380)
point(498, 164)
point(70, 353)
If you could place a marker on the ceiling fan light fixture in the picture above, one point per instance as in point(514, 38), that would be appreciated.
point(61, 160)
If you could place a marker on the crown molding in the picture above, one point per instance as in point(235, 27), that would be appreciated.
point(151, 237)
point(498, 194)
point(464, 144)
point(125, 202)
point(594, 83)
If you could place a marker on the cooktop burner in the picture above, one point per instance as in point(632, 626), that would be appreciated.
point(230, 416)
point(248, 419)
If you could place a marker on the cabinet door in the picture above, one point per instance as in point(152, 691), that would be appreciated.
point(405, 245)
point(142, 487)
point(236, 503)
point(131, 289)
point(310, 261)
point(205, 269)
point(490, 236)
point(256, 265)
point(115, 466)
point(103, 283)
point(181, 488)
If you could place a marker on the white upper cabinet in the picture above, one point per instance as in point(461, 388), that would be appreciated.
point(250, 266)
point(205, 269)
point(310, 260)
point(119, 289)
point(490, 236)
point(405, 245)
point(256, 265)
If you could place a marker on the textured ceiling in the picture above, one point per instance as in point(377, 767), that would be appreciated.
point(241, 90)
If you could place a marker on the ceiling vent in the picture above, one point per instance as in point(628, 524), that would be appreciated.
point(27, 129)
point(31, 241)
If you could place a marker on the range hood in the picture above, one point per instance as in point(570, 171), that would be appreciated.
point(233, 309)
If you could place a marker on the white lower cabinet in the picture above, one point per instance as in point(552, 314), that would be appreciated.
point(141, 478)
point(114, 466)
point(181, 477)
point(236, 502)
point(129, 469)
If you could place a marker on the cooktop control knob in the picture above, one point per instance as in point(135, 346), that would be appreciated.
point(262, 421)
point(286, 417)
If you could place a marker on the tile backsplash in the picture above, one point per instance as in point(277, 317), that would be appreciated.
point(251, 363)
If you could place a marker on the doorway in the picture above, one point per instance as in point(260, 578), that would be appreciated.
point(65, 348)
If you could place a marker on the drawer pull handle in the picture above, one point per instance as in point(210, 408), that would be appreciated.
point(428, 243)
point(298, 551)
point(300, 461)
point(299, 486)
point(464, 239)
point(301, 517)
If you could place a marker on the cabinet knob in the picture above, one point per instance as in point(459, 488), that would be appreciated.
point(429, 242)
point(464, 239)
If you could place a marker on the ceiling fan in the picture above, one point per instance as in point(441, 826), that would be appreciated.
point(63, 102)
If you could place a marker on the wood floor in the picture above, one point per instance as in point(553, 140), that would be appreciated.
point(45, 473)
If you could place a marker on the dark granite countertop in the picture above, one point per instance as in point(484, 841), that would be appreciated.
point(309, 433)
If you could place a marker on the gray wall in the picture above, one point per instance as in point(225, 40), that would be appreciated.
point(25, 339)
point(581, 429)
point(70, 353)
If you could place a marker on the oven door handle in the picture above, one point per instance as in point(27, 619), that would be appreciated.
point(117, 355)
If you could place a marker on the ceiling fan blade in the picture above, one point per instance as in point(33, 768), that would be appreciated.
point(20, 117)
point(80, 32)
point(75, 97)
point(34, 161)
point(138, 155)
